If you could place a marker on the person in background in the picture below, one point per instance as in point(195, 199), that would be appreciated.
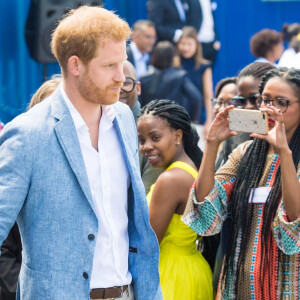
point(60, 164)
point(169, 141)
point(248, 82)
point(289, 33)
point(259, 187)
point(45, 90)
point(143, 40)
point(167, 82)
point(226, 89)
point(169, 17)
point(190, 59)
point(10, 264)
point(129, 95)
point(10, 261)
point(267, 46)
point(203, 20)
point(296, 47)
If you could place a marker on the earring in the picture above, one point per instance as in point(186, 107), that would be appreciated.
point(178, 143)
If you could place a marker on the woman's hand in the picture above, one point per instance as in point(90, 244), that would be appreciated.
point(219, 128)
point(277, 135)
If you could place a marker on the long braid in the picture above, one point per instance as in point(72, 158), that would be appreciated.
point(248, 177)
point(178, 118)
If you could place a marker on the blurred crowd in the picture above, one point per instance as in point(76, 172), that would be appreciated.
point(226, 216)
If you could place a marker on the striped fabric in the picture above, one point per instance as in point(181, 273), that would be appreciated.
point(206, 218)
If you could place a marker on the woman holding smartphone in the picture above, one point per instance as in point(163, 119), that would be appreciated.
point(259, 187)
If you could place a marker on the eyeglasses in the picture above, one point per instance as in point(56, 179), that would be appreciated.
point(240, 101)
point(279, 102)
point(221, 102)
point(129, 84)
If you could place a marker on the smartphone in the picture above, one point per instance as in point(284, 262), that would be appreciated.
point(247, 120)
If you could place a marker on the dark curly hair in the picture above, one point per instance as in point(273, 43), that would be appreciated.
point(163, 54)
point(264, 41)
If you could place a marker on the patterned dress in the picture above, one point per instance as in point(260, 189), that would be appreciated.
point(206, 218)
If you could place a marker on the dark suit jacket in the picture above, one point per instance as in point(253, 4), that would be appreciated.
point(130, 54)
point(165, 16)
point(195, 16)
point(173, 84)
point(10, 264)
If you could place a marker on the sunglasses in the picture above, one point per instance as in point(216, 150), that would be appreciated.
point(240, 101)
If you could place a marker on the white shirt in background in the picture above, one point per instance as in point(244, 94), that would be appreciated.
point(206, 33)
point(140, 60)
point(287, 58)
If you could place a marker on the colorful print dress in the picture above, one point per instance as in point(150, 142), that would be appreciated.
point(184, 272)
point(206, 218)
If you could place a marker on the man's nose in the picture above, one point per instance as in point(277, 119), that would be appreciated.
point(119, 75)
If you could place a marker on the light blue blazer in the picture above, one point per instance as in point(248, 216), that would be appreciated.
point(44, 185)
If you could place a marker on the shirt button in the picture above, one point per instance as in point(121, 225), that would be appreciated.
point(91, 237)
point(85, 275)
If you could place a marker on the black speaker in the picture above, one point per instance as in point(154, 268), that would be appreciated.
point(42, 19)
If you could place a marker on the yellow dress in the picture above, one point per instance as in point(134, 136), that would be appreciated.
point(184, 273)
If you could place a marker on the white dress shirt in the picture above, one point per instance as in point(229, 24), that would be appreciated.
point(206, 33)
point(109, 181)
point(287, 58)
point(140, 60)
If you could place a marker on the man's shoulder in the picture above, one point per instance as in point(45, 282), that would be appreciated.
point(122, 110)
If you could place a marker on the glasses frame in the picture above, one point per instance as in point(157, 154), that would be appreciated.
point(252, 99)
point(133, 86)
point(220, 102)
point(282, 109)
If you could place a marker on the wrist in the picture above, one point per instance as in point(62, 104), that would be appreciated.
point(284, 151)
point(212, 143)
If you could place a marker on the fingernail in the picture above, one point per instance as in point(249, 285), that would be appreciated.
point(269, 104)
point(279, 110)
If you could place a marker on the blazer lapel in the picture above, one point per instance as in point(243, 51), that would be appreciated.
point(124, 142)
point(68, 139)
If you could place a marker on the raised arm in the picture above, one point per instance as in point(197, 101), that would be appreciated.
point(207, 83)
point(218, 132)
point(290, 183)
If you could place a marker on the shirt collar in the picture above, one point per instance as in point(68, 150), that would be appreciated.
point(77, 118)
point(137, 53)
point(107, 110)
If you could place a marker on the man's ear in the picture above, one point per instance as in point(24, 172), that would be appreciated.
point(74, 65)
point(138, 88)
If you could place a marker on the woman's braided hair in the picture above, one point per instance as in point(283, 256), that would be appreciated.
point(178, 118)
point(248, 177)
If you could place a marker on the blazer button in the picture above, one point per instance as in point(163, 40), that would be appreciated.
point(85, 275)
point(91, 237)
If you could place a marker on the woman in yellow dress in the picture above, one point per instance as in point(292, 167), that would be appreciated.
point(168, 140)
